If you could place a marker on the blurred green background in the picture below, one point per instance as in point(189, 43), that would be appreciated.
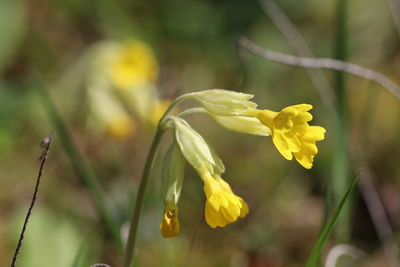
point(194, 47)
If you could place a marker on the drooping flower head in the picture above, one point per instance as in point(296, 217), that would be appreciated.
point(170, 224)
point(173, 173)
point(222, 205)
point(291, 133)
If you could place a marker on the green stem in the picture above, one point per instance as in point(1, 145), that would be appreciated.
point(130, 247)
point(341, 158)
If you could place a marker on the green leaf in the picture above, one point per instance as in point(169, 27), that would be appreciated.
point(328, 228)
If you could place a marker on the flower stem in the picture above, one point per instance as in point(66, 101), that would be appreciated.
point(130, 247)
point(341, 162)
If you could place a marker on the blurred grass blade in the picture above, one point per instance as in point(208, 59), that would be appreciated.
point(341, 163)
point(84, 172)
point(80, 258)
point(79, 255)
point(328, 228)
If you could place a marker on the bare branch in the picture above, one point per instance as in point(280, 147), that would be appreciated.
point(45, 144)
point(322, 63)
point(378, 216)
point(299, 45)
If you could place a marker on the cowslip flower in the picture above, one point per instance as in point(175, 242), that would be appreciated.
point(291, 133)
point(170, 226)
point(121, 126)
point(110, 114)
point(133, 64)
point(173, 172)
point(159, 107)
point(222, 205)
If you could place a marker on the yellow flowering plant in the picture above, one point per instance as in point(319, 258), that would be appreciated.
point(290, 131)
point(173, 173)
point(120, 82)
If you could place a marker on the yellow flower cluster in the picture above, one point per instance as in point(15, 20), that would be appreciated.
point(290, 131)
point(121, 83)
point(133, 64)
point(289, 128)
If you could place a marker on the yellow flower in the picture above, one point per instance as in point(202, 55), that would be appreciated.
point(120, 127)
point(170, 224)
point(222, 205)
point(291, 133)
point(133, 64)
point(158, 110)
point(109, 114)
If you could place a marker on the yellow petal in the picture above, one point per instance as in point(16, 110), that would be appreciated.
point(292, 141)
point(245, 208)
point(315, 133)
point(282, 146)
point(214, 218)
point(170, 224)
point(306, 155)
point(302, 107)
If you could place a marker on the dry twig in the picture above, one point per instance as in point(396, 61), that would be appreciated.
point(45, 144)
point(322, 63)
point(378, 216)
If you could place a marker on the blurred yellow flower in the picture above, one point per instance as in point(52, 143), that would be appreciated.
point(120, 126)
point(170, 224)
point(110, 115)
point(159, 107)
point(222, 206)
point(291, 133)
point(132, 65)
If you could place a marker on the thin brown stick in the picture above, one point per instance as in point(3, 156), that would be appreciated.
point(378, 216)
point(299, 45)
point(322, 63)
point(45, 144)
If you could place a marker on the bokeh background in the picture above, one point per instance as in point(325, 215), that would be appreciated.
point(68, 48)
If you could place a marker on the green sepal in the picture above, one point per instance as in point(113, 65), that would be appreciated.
point(173, 173)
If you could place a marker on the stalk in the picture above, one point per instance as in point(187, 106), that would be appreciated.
point(341, 159)
point(132, 237)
